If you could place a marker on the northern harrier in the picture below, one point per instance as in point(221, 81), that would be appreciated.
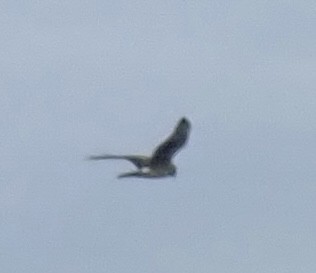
point(159, 164)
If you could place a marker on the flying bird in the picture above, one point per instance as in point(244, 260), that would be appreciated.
point(160, 163)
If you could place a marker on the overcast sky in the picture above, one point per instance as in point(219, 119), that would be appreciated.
point(89, 77)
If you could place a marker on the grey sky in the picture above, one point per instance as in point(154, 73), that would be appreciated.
point(87, 77)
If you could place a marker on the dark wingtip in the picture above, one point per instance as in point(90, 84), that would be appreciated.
point(184, 120)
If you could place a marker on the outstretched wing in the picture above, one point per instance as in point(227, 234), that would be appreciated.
point(140, 174)
point(173, 143)
point(138, 160)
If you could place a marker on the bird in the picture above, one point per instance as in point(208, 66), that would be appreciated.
point(159, 164)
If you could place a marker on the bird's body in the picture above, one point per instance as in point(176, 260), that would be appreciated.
point(159, 164)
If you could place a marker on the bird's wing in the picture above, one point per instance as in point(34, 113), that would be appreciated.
point(140, 174)
point(138, 160)
point(165, 151)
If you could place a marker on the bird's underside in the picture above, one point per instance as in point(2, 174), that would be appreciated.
point(159, 164)
point(142, 174)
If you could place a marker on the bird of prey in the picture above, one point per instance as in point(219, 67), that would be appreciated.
point(159, 164)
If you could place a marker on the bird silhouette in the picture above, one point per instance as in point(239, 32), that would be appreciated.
point(160, 163)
